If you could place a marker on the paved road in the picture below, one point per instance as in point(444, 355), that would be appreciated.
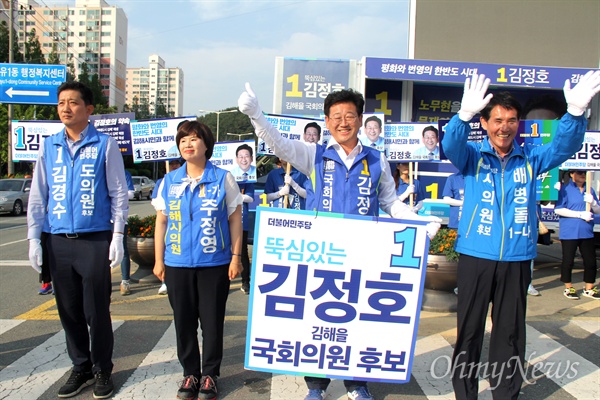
point(563, 340)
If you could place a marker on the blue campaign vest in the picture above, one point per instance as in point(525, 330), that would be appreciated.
point(197, 222)
point(78, 200)
point(337, 189)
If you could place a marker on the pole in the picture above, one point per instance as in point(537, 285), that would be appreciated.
point(218, 115)
point(288, 169)
point(410, 182)
point(11, 167)
point(588, 188)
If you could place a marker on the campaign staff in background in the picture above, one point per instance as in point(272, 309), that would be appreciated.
point(125, 287)
point(79, 189)
point(497, 230)
point(430, 149)
point(576, 230)
point(348, 178)
point(372, 134)
point(199, 215)
point(454, 196)
point(404, 188)
point(279, 185)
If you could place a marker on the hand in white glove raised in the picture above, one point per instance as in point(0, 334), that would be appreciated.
point(587, 216)
point(580, 96)
point(474, 98)
point(35, 254)
point(588, 198)
point(116, 252)
point(557, 186)
point(284, 190)
point(248, 103)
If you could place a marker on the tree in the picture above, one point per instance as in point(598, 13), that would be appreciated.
point(96, 87)
point(53, 56)
point(33, 49)
point(84, 74)
point(4, 37)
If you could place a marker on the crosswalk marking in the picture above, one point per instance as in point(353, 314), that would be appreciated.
point(32, 374)
point(158, 374)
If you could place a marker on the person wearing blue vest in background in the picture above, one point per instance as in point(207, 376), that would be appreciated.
point(497, 233)
point(337, 171)
point(576, 230)
point(173, 165)
point(404, 188)
point(280, 185)
point(247, 191)
point(199, 215)
point(79, 188)
point(125, 288)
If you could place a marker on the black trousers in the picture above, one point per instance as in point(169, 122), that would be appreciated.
point(313, 382)
point(45, 276)
point(199, 294)
point(245, 259)
point(81, 279)
point(504, 284)
point(588, 254)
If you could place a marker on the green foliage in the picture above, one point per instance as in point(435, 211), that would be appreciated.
point(33, 49)
point(141, 227)
point(233, 122)
point(4, 39)
point(443, 243)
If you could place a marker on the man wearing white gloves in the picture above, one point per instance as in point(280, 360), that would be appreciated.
point(79, 196)
point(335, 170)
point(498, 229)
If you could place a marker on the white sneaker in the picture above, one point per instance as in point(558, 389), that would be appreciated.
point(163, 289)
point(532, 291)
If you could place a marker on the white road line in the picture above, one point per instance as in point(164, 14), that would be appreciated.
point(16, 241)
point(158, 374)
point(7, 324)
point(31, 375)
point(592, 326)
point(15, 263)
point(570, 371)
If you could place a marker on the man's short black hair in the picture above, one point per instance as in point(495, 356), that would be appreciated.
point(200, 130)
point(244, 147)
point(504, 100)
point(344, 96)
point(546, 102)
point(373, 118)
point(432, 129)
point(86, 93)
point(313, 125)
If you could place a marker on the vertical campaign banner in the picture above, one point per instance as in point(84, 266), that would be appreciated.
point(404, 142)
point(27, 136)
point(291, 128)
point(117, 126)
point(237, 158)
point(319, 294)
point(588, 156)
point(372, 131)
point(154, 140)
point(304, 84)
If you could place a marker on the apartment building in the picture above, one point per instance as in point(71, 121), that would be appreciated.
point(156, 85)
point(91, 32)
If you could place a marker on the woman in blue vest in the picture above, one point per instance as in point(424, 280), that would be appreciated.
point(199, 216)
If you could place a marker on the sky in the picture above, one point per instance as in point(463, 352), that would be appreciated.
point(222, 44)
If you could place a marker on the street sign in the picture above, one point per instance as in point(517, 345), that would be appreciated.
point(30, 83)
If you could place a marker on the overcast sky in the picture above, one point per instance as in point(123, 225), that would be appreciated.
point(221, 44)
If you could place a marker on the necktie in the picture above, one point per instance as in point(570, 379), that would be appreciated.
point(245, 176)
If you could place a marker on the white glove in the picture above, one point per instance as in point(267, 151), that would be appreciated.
point(116, 252)
point(248, 103)
point(588, 198)
point(288, 180)
point(35, 254)
point(247, 199)
point(587, 216)
point(284, 190)
point(432, 229)
point(409, 190)
point(473, 99)
point(557, 186)
point(580, 96)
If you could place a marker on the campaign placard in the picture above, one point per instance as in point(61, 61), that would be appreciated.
point(154, 140)
point(237, 159)
point(588, 156)
point(372, 131)
point(291, 128)
point(319, 295)
point(406, 142)
point(27, 136)
point(117, 126)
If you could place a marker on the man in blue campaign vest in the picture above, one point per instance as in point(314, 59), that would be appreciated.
point(79, 189)
point(347, 178)
point(497, 233)
point(280, 186)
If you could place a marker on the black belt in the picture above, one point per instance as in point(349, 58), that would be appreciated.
point(77, 235)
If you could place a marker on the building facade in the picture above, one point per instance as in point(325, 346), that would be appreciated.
point(92, 32)
point(156, 85)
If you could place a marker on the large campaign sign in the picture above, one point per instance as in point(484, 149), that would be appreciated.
point(335, 295)
point(588, 156)
point(116, 125)
point(154, 140)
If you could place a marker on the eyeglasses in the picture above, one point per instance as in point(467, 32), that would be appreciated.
point(350, 118)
